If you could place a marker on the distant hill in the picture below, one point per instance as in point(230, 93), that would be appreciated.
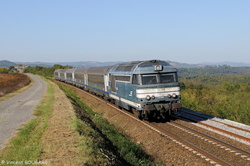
point(88, 63)
point(95, 64)
point(73, 64)
point(5, 63)
point(33, 64)
point(233, 64)
point(212, 70)
point(184, 65)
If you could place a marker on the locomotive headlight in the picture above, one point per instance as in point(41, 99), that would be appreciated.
point(158, 68)
point(174, 95)
point(169, 96)
point(148, 97)
point(153, 97)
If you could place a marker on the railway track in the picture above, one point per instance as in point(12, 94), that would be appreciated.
point(226, 122)
point(188, 145)
point(233, 130)
point(221, 149)
point(207, 148)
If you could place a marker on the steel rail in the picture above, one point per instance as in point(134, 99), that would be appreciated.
point(223, 142)
point(217, 129)
point(201, 116)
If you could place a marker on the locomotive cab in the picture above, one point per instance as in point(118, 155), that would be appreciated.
point(158, 94)
point(148, 88)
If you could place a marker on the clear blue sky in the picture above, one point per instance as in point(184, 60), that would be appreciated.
point(190, 31)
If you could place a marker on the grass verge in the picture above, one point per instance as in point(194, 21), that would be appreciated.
point(106, 145)
point(26, 146)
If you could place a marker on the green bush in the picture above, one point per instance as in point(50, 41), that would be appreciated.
point(227, 98)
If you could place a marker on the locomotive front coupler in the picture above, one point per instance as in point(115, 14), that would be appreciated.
point(157, 109)
point(148, 107)
point(148, 110)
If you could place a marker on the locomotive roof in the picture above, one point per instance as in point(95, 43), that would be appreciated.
point(139, 66)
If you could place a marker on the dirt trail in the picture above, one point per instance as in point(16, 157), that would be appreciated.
point(18, 109)
point(60, 141)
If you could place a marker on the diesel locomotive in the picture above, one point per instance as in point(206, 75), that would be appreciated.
point(149, 89)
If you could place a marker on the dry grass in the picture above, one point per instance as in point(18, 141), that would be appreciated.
point(60, 140)
point(12, 82)
point(14, 93)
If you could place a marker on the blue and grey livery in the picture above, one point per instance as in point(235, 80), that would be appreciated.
point(147, 88)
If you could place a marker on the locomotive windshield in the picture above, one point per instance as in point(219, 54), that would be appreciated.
point(149, 79)
point(167, 78)
point(162, 78)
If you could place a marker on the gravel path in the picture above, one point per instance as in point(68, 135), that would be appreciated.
point(18, 109)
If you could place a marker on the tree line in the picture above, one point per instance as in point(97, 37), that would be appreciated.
point(47, 72)
point(213, 70)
